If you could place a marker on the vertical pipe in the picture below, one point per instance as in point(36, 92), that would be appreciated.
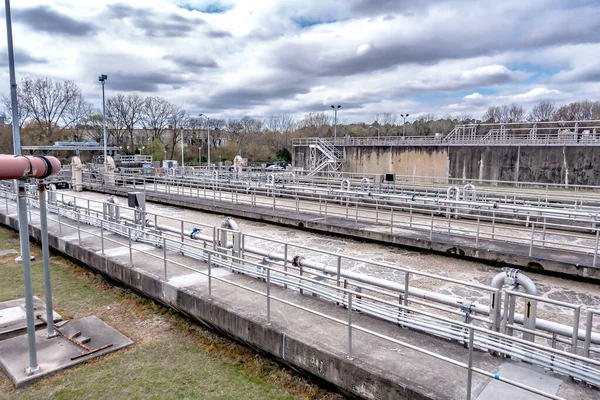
point(46, 259)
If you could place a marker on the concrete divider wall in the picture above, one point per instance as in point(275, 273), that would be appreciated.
point(545, 164)
point(326, 364)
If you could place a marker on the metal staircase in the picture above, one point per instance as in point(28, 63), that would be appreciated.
point(324, 157)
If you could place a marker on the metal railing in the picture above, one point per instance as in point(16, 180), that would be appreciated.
point(552, 133)
point(566, 231)
point(287, 275)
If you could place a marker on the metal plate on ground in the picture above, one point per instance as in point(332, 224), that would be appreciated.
point(55, 354)
point(11, 315)
point(524, 374)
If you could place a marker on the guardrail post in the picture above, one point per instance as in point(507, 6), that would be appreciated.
point(165, 257)
point(209, 261)
point(575, 335)
point(544, 234)
point(478, 226)
point(349, 325)
point(531, 241)
point(285, 261)
point(59, 221)
point(130, 250)
point(588, 333)
point(493, 223)
point(182, 237)
point(102, 235)
point(268, 296)
point(392, 221)
point(431, 228)
point(301, 275)
point(78, 229)
point(406, 285)
point(470, 364)
point(596, 249)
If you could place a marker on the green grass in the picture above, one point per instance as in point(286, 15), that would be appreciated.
point(172, 358)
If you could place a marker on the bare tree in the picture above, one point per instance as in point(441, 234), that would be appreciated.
point(280, 123)
point(386, 122)
point(80, 114)
point(543, 111)
point(315, 123)
point(156, 116)
point(178, 122)
point(504, 114)
point(49, 105)
point(251, 125)
point(516, 113)
point(24, 113)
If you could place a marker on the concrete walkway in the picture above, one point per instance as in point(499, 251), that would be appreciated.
point(378, 368)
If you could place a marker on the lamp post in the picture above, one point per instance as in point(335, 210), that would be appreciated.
point(335, 110)
point(404, 124)
point(182, 160)
point(208, 138)
point(102, 78)
point(374, 127)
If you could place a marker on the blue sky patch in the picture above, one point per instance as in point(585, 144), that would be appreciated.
point(212, 8)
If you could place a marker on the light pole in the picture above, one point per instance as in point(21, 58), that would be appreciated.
point(182, 161)
point(374, 127)
point(335, 110)
point(208, 138)
point(404, 124)
point(102, 78)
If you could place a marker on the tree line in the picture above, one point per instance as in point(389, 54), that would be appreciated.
point(52, 111)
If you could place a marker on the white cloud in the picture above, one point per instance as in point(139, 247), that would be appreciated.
point(259, 57)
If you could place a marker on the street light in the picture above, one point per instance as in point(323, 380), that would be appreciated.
point(102, 78)
point(208, 137)
point(374, 127)
point(404, 124)
point(335, 110)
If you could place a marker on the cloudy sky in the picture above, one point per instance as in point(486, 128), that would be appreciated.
point(231, 58)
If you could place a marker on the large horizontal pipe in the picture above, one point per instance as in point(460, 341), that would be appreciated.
point(21, 167)
point(452, 301)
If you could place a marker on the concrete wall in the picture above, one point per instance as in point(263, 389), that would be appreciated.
point(546, 164)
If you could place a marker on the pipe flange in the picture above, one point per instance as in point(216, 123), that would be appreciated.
point(194, 231)
point(297, 260)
